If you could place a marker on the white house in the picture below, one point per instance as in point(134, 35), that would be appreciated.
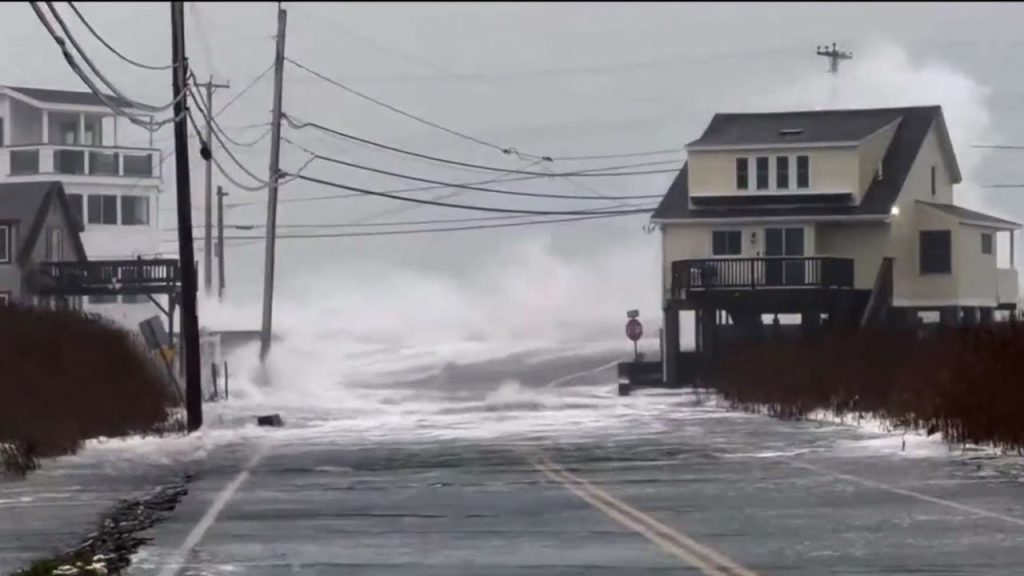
point(834, 213)
point(72, 137)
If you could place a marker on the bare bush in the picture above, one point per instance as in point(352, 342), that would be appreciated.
point(69, 377)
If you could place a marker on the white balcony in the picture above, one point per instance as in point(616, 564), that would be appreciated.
point(86, 164)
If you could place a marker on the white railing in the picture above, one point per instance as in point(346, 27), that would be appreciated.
point(90, 161)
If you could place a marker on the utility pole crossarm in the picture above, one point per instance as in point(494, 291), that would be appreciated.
point(835, 56)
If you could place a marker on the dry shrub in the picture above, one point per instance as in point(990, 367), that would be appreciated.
point(66, 377)
point(963, 383)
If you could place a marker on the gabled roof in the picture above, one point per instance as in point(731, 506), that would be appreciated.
point(913, 127)
point(967, 216)
point(810, 127)
point(28, 203)
point(66, 97)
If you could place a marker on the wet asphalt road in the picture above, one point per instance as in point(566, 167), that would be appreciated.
point(574, 480)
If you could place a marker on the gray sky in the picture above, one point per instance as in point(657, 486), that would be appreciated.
point(553, 79)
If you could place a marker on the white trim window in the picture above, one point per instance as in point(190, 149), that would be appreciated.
point(762, 165)
point(5, 298)
point(134, 210)
point(743, 173)
point(6, 246)
point(726, 243)
point(102, 209)
point(782, 172)
point(803, 172)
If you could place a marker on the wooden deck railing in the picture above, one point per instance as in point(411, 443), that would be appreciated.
point(761, 273)
point(156, 276)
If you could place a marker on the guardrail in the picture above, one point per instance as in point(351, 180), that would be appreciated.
point(33, 159)
point(156, 276)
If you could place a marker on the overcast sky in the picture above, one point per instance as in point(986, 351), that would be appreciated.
point(548, 79)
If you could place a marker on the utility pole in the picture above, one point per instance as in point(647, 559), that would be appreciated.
point(210, 86)
point(186, 254)
point(835, 56)
point(220, 242)
point(275, 152)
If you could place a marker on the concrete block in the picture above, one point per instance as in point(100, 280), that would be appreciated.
point(272, 420)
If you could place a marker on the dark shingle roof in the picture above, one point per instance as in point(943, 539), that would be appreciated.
point(966, 215)
point(805, 127)
point(878, 199)
point(72, 97)
point(28, 203)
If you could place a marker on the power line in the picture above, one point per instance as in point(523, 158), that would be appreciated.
point(464, 136)
point(92, 66)
point(116, 52)
point(385, 224)
point(446, 229)
point(303, 125)
point(220, 168)
point(242, 92)
point(464, 206)
point(464, 186)
point(69, 58)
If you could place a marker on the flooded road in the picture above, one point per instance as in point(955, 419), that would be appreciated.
point(531, 464)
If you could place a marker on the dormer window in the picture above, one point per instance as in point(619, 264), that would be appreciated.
point(782, 172)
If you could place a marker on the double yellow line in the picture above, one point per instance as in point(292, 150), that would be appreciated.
point(671, 541)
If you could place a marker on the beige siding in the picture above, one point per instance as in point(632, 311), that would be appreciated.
point(832, 170)
point(977, 275)
point(866, 243)
point(908, 284)
point(871, 152)
point(683, 242)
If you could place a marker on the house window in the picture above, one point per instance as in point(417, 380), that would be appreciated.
point(742, 174)
point(103, 299)
point(986, 243)
point(5, 244)
point(134, 210)
point(102, 209)
point(75, 202)
point(726, 243)
point(55, 245)
point(933, 180)
point(782, 172)
point(762, 172)
point(803, 172)
point(5, 298)
point(935, 252)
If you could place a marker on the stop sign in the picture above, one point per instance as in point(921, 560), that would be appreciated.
point(634, 329)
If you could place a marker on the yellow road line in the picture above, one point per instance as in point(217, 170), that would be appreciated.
point(664, 543)
point(713, 555)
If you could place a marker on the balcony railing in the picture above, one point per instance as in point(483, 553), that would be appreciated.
point(82, 161)
point(98, 277)
point(761, 273)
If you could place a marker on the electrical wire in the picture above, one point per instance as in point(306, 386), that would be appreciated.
point(242, 92)
point(427, 202)
point(111, 48)
point(508, 150)
point(251, 188)
point(437, 230)
point(95, 69)
point(69, 58)
point(353, 91)
point(218, 131)
point(303, 125)
point(464, 186)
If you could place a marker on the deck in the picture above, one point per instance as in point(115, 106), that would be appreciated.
point(106, 277)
